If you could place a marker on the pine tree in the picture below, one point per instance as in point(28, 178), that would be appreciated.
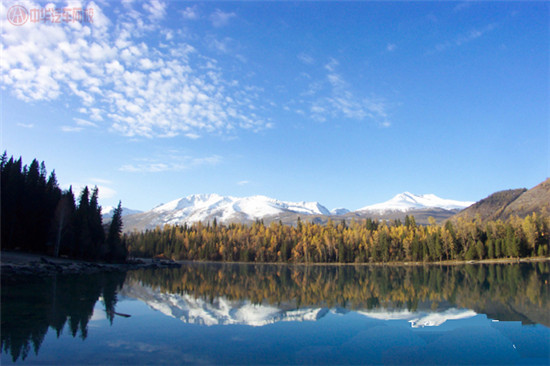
point(117, 249)
point(96, 225)
point(83, 243)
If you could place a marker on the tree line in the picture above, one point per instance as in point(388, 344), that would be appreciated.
point(366, 241)
point(39, 217)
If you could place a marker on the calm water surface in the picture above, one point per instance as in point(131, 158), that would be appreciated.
point(270, 314)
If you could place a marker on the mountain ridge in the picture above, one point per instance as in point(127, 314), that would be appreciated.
point(407, 201)
point(229, 209)
point(107, 212)
point(503, 204)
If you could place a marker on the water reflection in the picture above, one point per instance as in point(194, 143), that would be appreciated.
point(257, 295)
point(227, 293)
point(31, 305)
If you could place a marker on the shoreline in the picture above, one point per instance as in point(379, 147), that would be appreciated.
point(381, 264)
point(20, 263)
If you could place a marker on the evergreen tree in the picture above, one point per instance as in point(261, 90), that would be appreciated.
point(63, 220)
point(116, 247)
point(83, 242)
point(38, 217)
point(97, 232)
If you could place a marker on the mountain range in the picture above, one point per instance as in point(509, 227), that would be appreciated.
point(227, 209)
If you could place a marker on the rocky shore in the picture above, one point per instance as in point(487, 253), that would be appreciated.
point(17, 263)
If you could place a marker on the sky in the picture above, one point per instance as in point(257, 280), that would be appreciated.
point(344, 103)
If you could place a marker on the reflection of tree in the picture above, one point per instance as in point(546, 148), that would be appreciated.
point(507, 292)
point(32, 305)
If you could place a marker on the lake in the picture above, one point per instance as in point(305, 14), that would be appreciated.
point(277, 314)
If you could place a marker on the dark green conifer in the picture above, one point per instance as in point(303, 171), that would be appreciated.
point(116, 247)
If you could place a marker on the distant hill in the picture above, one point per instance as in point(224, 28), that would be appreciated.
point(536, 199)
point(520, 202)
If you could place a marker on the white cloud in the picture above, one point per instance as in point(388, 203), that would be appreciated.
point(169, 163)
point(463, 38)
point(220, 18)
point(104, 192)
point(332, 65)
point(192, 136)
point(25, 125)
point(243, 182)
point(84, 123)
point(190, 13)
point(306, 59)
point(335, 98)
point(142, 90)
point(71, 129)
point(156, 9)
point(391, 47)
point(220, 45)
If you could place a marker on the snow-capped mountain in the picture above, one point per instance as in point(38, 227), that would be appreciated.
point(228, 209)
point(107, 211)
point(408, 201)
point(339, 211)
point(225, 209)
point(199, 207)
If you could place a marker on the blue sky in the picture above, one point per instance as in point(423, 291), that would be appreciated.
point(345, 103)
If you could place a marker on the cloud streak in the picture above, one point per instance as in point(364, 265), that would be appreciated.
point(463, 39)
point(220, 18)
point(169, 164)
point(334, 98)
point(26, 125)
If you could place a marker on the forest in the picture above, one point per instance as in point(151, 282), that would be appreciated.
point(39, 217)
point(366, 241)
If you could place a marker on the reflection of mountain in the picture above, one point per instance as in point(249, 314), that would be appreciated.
point(219, 311)
point(420, 319)
point(222, 311)
point(503, 292)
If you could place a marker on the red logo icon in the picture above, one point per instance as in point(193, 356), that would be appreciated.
point(18, 15)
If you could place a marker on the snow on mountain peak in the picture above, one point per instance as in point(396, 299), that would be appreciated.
point(107, 212)
point(228, 209)
point(339, 211)
point(409, 201)
point(206, 207)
